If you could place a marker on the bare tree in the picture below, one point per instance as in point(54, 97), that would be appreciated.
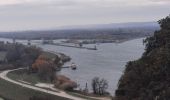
point(99, 86)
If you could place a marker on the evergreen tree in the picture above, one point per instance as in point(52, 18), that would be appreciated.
point(148, 78)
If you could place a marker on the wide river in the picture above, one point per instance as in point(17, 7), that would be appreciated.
point(107, 62)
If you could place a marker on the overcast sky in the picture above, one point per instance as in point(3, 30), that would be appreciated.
point(45, 14)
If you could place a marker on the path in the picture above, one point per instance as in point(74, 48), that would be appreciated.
point(3, 75)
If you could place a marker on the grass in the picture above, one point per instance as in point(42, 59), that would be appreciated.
point(88, 96)
point(33, 79)
point(2, 55)
point(81, 96)
point(1, 99)
point(49, 55)
point(23, 75)
point(12, 91)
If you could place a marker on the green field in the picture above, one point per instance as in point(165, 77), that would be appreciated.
point(81, 96)
point(1, 98)
point(49, 55)
point(12, 91)
point(33, 79)
point(23, 75)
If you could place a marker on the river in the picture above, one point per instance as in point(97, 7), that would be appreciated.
point(107, 62)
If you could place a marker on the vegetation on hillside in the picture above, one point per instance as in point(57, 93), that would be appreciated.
point(11, 91)
point(17, 55)
point(44, 67)
point(148, 78)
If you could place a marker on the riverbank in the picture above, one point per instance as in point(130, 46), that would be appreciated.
point(109, 57)
point(16, 59)
point(62, 56)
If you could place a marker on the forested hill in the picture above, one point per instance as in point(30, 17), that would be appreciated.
point(148, 78)
point(105, 31)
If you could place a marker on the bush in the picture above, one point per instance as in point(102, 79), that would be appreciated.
point(45, 68)
point(64, 83)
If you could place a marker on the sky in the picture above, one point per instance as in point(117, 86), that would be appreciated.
point(49, 14)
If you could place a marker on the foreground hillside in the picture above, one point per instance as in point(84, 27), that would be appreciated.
point(148, 78)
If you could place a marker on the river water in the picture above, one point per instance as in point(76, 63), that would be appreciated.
point(107, 62)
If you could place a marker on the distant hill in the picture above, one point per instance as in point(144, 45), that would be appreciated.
point(114, 25)
point(101, 31)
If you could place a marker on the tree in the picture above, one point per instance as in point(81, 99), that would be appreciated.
point(44, 67)
point(13, 54)
point(20, 55)
point(148, 77)
point(64, 83)
point(99, 86)
point(58, 62)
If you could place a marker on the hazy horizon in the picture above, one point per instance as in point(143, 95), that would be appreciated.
point(16, 15)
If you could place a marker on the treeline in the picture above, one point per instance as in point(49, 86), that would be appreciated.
point(119, 33)
point(148, 78)
point(36, 62)
point(17, 55)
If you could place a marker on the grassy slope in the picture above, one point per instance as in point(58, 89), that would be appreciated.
point(81, 96)
point(15, 92)
point(23, 75)
point(33, 79)
point(49, 55)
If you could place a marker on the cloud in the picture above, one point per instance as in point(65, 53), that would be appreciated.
point(160, 0)
point(41, 14)
point(14, 2)
point(100, 3)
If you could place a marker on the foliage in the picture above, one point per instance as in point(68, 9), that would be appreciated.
point(20, 55)
point(44, 67)
point(148, 77)
point(64, 83)
point(58, 61)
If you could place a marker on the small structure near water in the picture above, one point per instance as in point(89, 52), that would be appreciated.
point(73, 66)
